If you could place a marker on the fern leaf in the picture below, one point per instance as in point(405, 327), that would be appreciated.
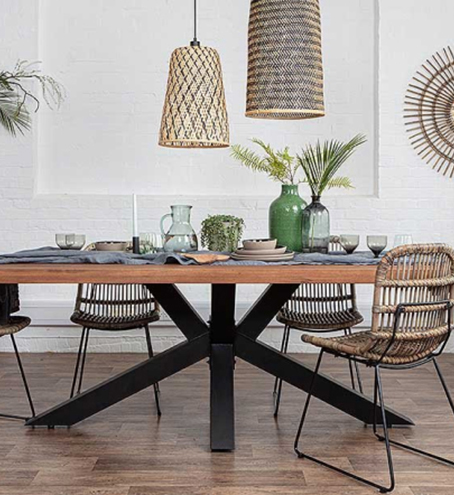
point(248, 158)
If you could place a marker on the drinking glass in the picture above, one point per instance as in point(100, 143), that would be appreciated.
point(70, 241)
point(402, 240)
point(349, 242)
point(150, 243)
point(377, 243)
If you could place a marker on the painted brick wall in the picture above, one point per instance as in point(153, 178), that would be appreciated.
point(406, 196)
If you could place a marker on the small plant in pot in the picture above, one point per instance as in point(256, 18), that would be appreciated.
point(285, 212)
point(222, 232)
point(320, 164)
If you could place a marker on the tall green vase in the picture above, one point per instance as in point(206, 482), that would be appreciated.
point(286, 218)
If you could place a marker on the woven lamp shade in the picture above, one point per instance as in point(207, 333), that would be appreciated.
point(195, 112)
point(285, 71)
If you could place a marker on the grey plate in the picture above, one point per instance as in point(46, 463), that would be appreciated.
point(263, 257)
point(262, 252)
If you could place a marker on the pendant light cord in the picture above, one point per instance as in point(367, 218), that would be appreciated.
point(195, 41)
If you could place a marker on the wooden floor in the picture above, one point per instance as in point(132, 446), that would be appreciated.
point(126, 450)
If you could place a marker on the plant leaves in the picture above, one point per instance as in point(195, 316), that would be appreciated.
point(278, 165)
point(344, 182)
point(14, 117)
point(321, 163)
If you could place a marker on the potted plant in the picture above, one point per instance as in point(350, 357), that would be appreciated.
point(285, 212)
point(320, 164)
point(15, 96)
point(222, 232)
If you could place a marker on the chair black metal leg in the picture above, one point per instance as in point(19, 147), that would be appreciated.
point(303, 455)
point(443, 384)
point(76, 370)
point(351, 365)
point(379, 389)
point(83, 358)
point(157, 392)
point(358, 378)
point(424, 452)
point(24, 379)
point(306, 406)
point(277, 392)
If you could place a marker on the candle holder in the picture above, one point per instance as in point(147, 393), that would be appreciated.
point(136, 245)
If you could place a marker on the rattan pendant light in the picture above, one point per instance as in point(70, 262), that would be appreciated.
point(195, 112)
point(285, 71)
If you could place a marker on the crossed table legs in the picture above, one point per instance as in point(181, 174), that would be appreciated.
point(220, 340)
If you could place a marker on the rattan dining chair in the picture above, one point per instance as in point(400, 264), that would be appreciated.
point(316, 308)
point(411, 324)
point(14, 325)
point(113, 308)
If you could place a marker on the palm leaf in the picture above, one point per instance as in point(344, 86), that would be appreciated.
point(321, 163)
point(14, 117)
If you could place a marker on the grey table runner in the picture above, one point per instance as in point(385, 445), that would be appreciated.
point(56, 255)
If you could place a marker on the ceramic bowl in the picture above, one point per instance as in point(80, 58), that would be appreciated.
point(260, 244)
point(111, 246)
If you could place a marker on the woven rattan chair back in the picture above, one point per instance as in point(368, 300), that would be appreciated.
point(322, 307)
point(114, 306)
point(410, 281)
point(111, 305)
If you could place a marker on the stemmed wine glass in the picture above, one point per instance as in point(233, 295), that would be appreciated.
point(377, 243)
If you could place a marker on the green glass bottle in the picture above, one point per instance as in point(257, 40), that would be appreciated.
point(286, 218)
point(316, 231)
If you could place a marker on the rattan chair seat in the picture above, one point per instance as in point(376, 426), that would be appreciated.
point(113, 323)
point(408, 347)
point(15, 324)
point(320, 321)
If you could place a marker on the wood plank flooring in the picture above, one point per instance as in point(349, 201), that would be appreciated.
point(126, 450)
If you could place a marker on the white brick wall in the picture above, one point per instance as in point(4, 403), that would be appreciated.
point(397, 194)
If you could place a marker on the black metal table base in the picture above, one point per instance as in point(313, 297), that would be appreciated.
point(221, 339)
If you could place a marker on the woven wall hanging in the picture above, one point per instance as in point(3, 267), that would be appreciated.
point(195, 111)
point(429, 112)
point(285, 70)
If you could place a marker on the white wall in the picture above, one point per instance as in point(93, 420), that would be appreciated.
point(113, 58)
point(60, 178)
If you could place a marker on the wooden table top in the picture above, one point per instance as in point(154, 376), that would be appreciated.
point(178, 274)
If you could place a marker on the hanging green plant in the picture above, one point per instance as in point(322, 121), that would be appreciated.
point(15, 95)
point(222, 232)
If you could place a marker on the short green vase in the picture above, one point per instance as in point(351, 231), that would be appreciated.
point(286, 218)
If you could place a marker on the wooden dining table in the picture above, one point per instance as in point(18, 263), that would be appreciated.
point(221, 339)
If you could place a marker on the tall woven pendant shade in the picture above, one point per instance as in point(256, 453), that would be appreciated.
point(285, 71)
point(195, 113)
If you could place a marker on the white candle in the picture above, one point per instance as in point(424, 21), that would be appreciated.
point(135, 226)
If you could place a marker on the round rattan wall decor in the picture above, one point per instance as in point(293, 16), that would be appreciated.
point(429, 112)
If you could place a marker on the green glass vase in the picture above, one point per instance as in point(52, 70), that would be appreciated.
point(286, 218)
point(316, 232)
